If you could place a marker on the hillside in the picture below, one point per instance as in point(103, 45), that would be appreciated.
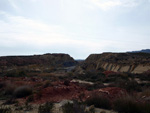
point(118, 62)
point(46, 62)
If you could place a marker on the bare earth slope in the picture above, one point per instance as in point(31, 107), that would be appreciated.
point(118, 62)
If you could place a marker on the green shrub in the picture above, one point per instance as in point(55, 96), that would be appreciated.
point(46, 108)
point(22, 91)
point(99, 101)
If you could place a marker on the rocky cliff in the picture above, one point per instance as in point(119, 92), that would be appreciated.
point(118, 62)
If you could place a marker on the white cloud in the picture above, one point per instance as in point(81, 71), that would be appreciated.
point(13, 4)
point(20, 32)
point(109, 4)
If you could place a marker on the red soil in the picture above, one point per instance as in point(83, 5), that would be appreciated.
point(58, 91)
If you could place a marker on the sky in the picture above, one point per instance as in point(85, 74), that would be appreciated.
point(75, 27)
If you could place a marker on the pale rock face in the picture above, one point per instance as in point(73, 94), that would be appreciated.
point(141, 68)
point(119, 62)
point(127, 68)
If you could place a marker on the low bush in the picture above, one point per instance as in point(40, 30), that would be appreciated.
point(22, 91)
point(145, 107)
point(15, 73)
point(2, 84)
point(46, 108)
point(30, 98)
point(66, 82)
point(91, 109)
point(4, 109)
point(99, 101)
point(10, 101)
point(68, 108)
point(74, 107)
point(47, 84)
point(9, 89)
point(126, 105)
point(129, 85)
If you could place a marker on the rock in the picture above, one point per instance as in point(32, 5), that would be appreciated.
point(117, 62)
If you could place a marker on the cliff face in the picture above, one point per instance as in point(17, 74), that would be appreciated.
point(118, 62)
point(36, 62)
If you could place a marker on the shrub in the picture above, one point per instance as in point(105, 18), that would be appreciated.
point(68, 108)
point(22, 91)
point(15, 73)
point(47, 84)
point(28, 107)
point(46, 108)
point(10, 101)
point(99, 101)
point(126, 105)
point(92, 109)
point(4, 109)
point(146, 93)
point(9, 89)
point(2, 84)
point(74, 107)
point(66, 82)
point(130, 86)
point(30, 98)
point(39, 94)
point(103, 112)
point(145, 107)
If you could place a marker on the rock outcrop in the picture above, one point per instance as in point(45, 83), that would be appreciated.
point(118, 62)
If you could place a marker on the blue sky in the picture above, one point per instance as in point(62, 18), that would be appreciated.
point(76, 27)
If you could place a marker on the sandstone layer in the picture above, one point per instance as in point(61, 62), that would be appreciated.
point(118, 62)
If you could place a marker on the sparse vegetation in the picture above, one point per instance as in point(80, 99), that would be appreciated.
point(22, 91)
point(30, 98)
point(130, 105)
point(47, 84)
point(9, 89)
point(99, 101)
point(46, 108)
point(74, 107)
point(4, 109)
point(94, 86)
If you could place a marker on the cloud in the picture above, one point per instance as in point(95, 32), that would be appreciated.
point(13, 4)
point(18, 33)
point(109, 4)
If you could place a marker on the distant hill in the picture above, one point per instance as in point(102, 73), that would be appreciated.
point(141, 51)
point(36, 63)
